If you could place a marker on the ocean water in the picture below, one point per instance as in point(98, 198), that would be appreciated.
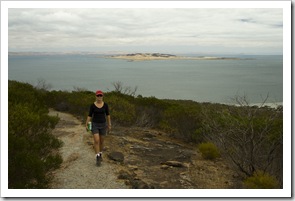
point(216, 81)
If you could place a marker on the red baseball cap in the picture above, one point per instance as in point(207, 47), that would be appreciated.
point(98, 92)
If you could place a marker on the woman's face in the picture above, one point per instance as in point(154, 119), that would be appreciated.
point(99, 97)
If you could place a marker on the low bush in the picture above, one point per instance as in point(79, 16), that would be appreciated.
point(181, 119)
point(122, 111)
point(208, 150)
point(261, 180)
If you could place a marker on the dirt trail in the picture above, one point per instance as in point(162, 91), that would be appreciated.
point(148, 159)
point(78, 171)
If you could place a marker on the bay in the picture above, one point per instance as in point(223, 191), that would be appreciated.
point(216, 81)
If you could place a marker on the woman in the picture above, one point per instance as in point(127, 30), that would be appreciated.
point(101, 122)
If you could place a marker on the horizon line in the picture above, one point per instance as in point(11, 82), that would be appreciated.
point(125, 52)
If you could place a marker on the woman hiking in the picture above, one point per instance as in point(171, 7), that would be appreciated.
point(100, 119)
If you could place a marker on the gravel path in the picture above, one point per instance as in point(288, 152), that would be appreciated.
point(78, 170)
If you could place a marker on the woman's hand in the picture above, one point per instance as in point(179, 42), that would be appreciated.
point(109, 128)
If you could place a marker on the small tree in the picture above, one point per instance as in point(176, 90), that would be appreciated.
point(127, 90)
point(42, 85)
point(250, 137)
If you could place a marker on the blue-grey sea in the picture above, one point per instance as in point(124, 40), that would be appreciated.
point(216, 81)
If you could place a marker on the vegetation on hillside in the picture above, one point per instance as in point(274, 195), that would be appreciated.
point(250, 138)
point(31, 146)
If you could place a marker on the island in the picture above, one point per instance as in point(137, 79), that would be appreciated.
point(158, 56)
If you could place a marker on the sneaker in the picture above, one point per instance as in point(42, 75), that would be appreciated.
point(98, 160)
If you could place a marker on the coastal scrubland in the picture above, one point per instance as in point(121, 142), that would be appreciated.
point(249, 138)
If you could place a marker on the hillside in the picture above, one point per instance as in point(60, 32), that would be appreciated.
point(154, 143)
point(151, 159)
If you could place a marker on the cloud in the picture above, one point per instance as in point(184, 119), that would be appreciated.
point(65, 29)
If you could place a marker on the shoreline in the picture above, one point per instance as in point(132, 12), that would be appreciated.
point(157, 56)
point(261, 105)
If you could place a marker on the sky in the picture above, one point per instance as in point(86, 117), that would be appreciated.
point(164, 30)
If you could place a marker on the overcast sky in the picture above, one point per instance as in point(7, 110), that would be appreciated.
point(165, 30)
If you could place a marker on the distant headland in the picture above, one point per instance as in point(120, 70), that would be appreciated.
point(129, 57)
point(158, 56)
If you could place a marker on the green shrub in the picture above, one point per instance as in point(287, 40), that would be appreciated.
point(149, 111)
point(208, 150)
point(261, 180)
point(198, 135)
point(182, 118)
point(31, 146)
point(122, 111)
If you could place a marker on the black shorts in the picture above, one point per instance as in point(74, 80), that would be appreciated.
point(99, 128)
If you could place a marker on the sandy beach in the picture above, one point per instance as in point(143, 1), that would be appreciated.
point(157, 56)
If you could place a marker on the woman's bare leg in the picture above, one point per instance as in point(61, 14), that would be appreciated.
point(96, 139)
